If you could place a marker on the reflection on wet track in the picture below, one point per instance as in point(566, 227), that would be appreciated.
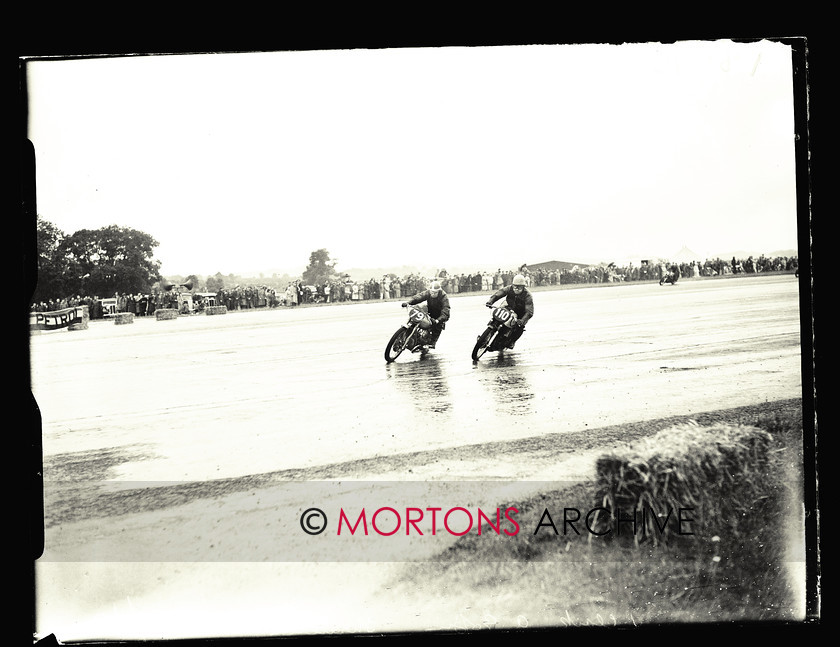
point(425, 383)
point(506, 380)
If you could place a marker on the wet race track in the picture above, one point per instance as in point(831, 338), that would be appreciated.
point(307, 394)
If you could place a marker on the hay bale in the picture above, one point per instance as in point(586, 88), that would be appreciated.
point(718, 472)
point(163, 314)
point(215, 310)
point(122, 318)
point(84, 323)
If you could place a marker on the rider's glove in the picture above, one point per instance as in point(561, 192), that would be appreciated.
point(436, 321)
point(489, 304)
point(404, 304)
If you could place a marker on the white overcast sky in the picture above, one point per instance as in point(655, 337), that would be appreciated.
point(439, 157)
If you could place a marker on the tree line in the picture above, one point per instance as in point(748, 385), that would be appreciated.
point(109, 261)
point(101, 261)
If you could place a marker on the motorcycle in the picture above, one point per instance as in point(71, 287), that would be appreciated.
point(414, 335)
point(498, 333)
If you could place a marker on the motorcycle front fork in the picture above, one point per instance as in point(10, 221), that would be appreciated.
point(503, 338)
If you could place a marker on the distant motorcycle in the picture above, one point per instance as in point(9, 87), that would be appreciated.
point(671, 276)
point(497, 335)
point(414, 335)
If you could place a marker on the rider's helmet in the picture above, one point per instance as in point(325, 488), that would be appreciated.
point(518, 282)
point(435, 288)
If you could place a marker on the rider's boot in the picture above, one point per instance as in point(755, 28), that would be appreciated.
point(514, 337)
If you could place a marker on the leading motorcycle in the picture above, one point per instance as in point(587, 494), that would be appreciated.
point(413, 335)
point(497, 335)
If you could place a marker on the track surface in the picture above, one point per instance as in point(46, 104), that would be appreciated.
point(210, 413)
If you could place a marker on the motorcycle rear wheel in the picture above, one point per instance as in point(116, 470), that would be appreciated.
point(483, 343)
point(396, 345)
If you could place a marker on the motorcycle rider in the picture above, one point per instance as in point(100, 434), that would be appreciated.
point(437, 302)
point(519, 300)
point(672, 275)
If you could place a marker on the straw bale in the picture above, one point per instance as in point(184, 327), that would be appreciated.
point(717, 471)
point(162, 314)
point(215, 310)
point(84, 323)
point(122, 318)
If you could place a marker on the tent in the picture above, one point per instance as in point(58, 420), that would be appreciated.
point(685, 255)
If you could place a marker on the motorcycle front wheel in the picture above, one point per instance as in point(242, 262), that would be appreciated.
point(482, 344)
point(396, 345)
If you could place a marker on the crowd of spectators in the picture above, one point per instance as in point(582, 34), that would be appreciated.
point(140, 305)
point(345, 289)
point(246, 297)
point(654, 271)
point(394, 287)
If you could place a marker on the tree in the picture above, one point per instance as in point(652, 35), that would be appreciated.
point(109, 260)
point(52, 267)
point(320, 268)
point(216, 282)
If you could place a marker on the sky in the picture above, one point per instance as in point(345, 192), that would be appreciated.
point(440, 157)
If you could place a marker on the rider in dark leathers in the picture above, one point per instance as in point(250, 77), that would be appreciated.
point(437, 302)
point(519, 300)
point(672, 275)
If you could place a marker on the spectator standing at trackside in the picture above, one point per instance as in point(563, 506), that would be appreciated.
point(498, 281)
point(437, 302)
